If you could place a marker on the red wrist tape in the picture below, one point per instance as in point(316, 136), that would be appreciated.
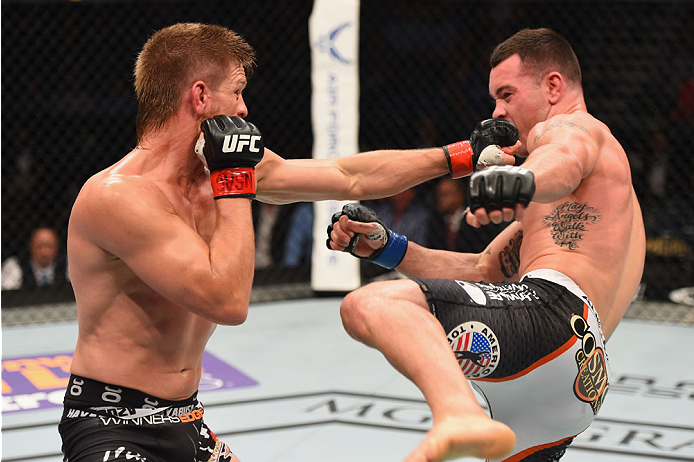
point(233, 182)
point(459, 156)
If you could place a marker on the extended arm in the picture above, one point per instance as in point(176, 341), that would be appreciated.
point(361, 176)
point(383, 173)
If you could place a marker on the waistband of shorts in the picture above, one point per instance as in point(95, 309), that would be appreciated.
point(85, 391)
point(557, 278)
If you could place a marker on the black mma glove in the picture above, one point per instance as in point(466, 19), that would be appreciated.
point(231, 150)
point(497, 187)
point(465, 157)
point(391, 254)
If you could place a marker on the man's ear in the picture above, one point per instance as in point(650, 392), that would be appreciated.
point(199, 95)
point(555, 86)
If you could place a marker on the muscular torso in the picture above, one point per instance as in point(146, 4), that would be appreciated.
point(595, 234)
point(129, 335)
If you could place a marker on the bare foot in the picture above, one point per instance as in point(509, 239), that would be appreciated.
point(471, 436)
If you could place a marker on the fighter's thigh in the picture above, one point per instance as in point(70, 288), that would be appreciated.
point(370, 307)
point(107, 446)
point(383, 294)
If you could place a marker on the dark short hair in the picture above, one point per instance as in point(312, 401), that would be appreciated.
point(541, 51)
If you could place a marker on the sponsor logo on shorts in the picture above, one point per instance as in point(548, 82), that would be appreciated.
point(220, 452)
point(160, 418)
point(476, 348)
point(480, 292)
point(209, 443)
point(123, 451)
point(474, 291)
point(591, 383)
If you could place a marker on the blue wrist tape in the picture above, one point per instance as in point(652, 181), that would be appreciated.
point(393, 252)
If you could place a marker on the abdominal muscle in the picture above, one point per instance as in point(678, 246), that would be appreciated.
point(158, 352)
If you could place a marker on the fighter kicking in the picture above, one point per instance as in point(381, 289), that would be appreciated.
point(542, 294)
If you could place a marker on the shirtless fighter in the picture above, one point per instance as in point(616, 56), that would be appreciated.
point(156, 262)
point(527, 318)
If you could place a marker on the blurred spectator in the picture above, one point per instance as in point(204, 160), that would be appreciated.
point(298, 244)
point(658, 170)
point(406, 215)
point(667, 210)
point(45, 265)
point(264, 223)
point(684, 105)
point(428, 134)
point(681, 137)
point(270, 222)
point(450, 201)
point(448, 229)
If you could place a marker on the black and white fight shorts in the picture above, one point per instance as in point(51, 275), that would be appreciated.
point(103, 422)
point(533, 349)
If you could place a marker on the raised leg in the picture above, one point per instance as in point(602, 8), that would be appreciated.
point(394, 318)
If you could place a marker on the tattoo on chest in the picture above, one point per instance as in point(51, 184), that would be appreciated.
point(559, 124)
point(570, 222)
point(509, 257)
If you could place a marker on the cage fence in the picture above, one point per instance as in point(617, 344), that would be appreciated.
point(68, 108)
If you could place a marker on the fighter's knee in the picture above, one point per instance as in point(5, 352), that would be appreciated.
point(366, 309)
point(354, 311)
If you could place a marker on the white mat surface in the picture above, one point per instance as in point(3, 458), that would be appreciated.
point(322, 397)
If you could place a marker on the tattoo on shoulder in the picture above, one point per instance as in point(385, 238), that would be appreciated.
point(509, 257)
point(559, 124)
point(569, 223)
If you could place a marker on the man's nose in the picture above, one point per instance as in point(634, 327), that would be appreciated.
point(499, 111)
point(242, 109)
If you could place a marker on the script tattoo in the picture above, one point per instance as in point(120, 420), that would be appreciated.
point(568, 223)
point(509, 257)
point(561, 123)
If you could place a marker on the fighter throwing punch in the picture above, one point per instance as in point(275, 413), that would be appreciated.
point(161, 248)
point(524, 316)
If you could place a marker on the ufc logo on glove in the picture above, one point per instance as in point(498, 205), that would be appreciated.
point(235, 143)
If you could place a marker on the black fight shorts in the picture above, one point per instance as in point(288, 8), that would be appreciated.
point(103, 422)
point(533, 349)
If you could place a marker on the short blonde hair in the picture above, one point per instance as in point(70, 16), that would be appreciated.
point(175, 57)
